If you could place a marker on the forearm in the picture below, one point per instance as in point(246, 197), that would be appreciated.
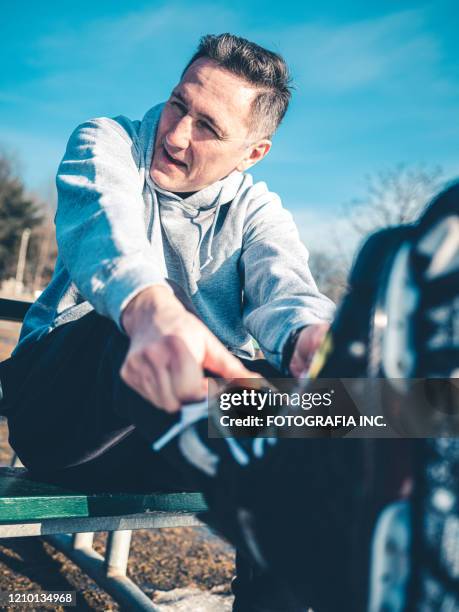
point(280, 294)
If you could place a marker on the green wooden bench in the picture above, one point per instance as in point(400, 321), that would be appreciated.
point(69, 518)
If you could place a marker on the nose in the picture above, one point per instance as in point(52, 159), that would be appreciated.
point(179, 134)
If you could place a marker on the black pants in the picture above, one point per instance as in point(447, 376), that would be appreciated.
point(72, 419)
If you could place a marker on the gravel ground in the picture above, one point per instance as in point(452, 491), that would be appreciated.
point(182, 570)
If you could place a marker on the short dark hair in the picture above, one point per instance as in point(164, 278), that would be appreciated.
point(265, 70)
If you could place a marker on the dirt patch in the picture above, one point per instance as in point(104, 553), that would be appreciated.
point(160, 560)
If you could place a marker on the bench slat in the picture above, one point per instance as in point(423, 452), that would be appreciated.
point(23, 498)
point(13, 310)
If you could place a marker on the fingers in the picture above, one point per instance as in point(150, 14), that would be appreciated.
point(187, 377)
point(149, 376)
point(222, 363)
point(299, 368)
point(307, 344)
point(165, 395)
point(167, 375)
point(168, 372)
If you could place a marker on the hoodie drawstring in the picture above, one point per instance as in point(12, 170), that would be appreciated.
point(209, 257)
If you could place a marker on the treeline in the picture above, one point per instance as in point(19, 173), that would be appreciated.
point(27, 243)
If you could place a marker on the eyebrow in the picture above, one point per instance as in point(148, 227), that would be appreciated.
point(208, 118)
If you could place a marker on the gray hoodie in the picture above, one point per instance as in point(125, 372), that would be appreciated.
point(232, 247)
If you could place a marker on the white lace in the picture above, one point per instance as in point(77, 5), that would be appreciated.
point(191, 414)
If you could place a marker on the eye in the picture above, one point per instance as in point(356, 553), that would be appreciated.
point(178, 106)
point(207, 127)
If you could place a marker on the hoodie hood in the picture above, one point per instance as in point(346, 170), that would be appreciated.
point(203, 207)
point(220, 192)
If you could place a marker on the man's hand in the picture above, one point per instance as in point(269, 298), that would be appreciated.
point(168, 350)
point(308, 342)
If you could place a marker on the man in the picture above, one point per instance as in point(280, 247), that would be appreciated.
point(170, 259)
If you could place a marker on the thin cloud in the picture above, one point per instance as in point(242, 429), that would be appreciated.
point(338, 58)
point(87, 69)
point(151, 37)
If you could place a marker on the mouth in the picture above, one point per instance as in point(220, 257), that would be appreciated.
point(171, 159)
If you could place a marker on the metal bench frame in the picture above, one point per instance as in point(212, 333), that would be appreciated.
point(74, 537)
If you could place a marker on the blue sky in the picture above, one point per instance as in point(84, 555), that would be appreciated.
point(376, 83)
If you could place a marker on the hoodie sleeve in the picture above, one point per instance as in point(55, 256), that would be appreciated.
point(100, 221)
point(280, 294)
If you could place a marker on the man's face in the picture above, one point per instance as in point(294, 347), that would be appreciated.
point(203, 133)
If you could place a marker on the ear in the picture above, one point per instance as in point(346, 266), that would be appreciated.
point(254, 153)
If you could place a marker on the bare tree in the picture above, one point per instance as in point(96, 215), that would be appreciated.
point(330, 273)
point(43, 251)
point(393, 197)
